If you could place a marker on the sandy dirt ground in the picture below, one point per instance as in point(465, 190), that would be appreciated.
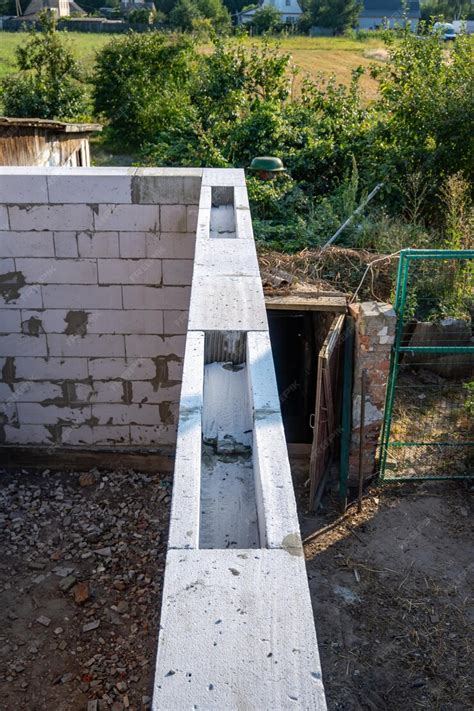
point(392, 596)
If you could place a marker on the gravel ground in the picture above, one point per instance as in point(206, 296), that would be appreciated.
point(81, 571)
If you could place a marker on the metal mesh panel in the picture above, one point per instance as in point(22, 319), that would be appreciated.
point(429, 416)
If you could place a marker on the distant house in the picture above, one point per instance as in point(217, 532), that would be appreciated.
point(61, 8)
point(290, 11)
point(387, 13)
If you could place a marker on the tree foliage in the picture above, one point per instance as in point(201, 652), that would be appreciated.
point(266, 19)
point(339, 15)
point(49, 82)
point(448, 10)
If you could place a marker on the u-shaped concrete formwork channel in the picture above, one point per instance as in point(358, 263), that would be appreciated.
point(237, 628)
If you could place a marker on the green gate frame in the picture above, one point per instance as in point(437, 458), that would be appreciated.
point(408, 256)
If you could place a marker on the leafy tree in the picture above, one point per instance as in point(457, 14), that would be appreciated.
point(339, 15)
point(48, 84)
point(447, 9)
point(266, 19)
point(183, 14)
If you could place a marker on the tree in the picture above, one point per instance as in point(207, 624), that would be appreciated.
point(49, 84)
point(266, 19)
point(447, 9)
point(182, 15)
point(339, 15)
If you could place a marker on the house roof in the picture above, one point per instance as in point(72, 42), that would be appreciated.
point(389, 8)
point(59, 126)
point(36, 6)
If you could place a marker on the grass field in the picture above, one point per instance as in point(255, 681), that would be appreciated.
point(326, 55)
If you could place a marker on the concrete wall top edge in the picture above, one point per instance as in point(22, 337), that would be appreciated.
point(102, 171)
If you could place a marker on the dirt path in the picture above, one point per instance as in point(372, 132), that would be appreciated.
point(81, 568)
point(392, 595)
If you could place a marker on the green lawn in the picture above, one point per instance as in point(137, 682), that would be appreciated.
point(329, 55)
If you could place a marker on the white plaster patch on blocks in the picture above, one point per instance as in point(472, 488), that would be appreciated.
point(26, 244)
point(51, 368)
point(98, 244)
point(261, 373)
point(127, 218)
point(35, 414)
point(25, 188)
point(30, 391)
point(126, 322)
point(277, 518)
point(230, 257)
point(175, 322)
point(4, 221)
point(26, 434)
point(277, 665)
point(65, 245)
point(51, 217)
point(192, 386)
point(10, 321)
point(117, 435)
point(166, 297)
point(66, 271)
point(156, 435)
point(138, 368)
point(177, 272)
point(186, 499)
point(386, 340)
point(173, 218)
point(152, 346)
point(17, 344)
point(133, 244)
point(90, 187)
point(170, 245)
point(223, 177)
point(121, 414)
point(82, 297)
point(227, 304)
point(129, 271)
point(146, 392)
point(87, 346)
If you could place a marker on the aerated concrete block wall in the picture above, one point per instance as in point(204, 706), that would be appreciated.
point(374, 336)
point(95, 274)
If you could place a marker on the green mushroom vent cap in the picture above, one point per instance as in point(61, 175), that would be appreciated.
point(268, 163)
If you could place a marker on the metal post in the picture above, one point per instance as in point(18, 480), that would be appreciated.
point(346, 410)
point(363, 381)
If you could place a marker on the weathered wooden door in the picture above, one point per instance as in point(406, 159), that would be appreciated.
point(325, 421)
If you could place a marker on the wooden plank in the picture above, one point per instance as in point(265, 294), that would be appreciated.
point(294, 302)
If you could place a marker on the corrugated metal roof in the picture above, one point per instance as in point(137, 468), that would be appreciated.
point(387, 8)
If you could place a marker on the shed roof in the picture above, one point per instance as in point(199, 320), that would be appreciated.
point(47, 124)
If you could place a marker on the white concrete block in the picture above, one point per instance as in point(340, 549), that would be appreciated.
point(133, 244)
point(173, 218)
point(157, 435)
point(223, 176)
point(192, 213)
point(146, 297)
point(7, 266)
point(65, 244)
point(146, 392)
point(223, 303)
point(91, 187)
point(232, 257)
point(237, 632)
point(17, 344)
point(26, 244)
point(263, 387)
point(25, 188)
point(64, 271)
point(27, 434)
point(10, 321)
point(30, 413)
point(83, 434)
point(127, 322)
point(132, 369)
point(152, 346)
point(51, 368)
point(177, 272)
point(52, 320)
point(86, 346)
point(170, 245)
point(120, 414)
point(175, 322)
point(51, 217)
point(129, 271)
point(98, 244)
point(30, 391)
point(109, 391)
point(4, 221)
point(82, 297)
point(127, 218)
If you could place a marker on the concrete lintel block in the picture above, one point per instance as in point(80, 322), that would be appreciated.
point(193, 373)
point(228, 661)
point(222, 303)
point(262, 381)
point(232, 257)
point(243, 221)
point(223, 177)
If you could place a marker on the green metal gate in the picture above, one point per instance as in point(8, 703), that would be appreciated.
point(428, 430)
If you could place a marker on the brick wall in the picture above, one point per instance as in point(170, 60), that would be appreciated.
point(374, 336)
point(95, 274)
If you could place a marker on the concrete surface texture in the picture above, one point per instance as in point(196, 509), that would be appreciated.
point(237, 628)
